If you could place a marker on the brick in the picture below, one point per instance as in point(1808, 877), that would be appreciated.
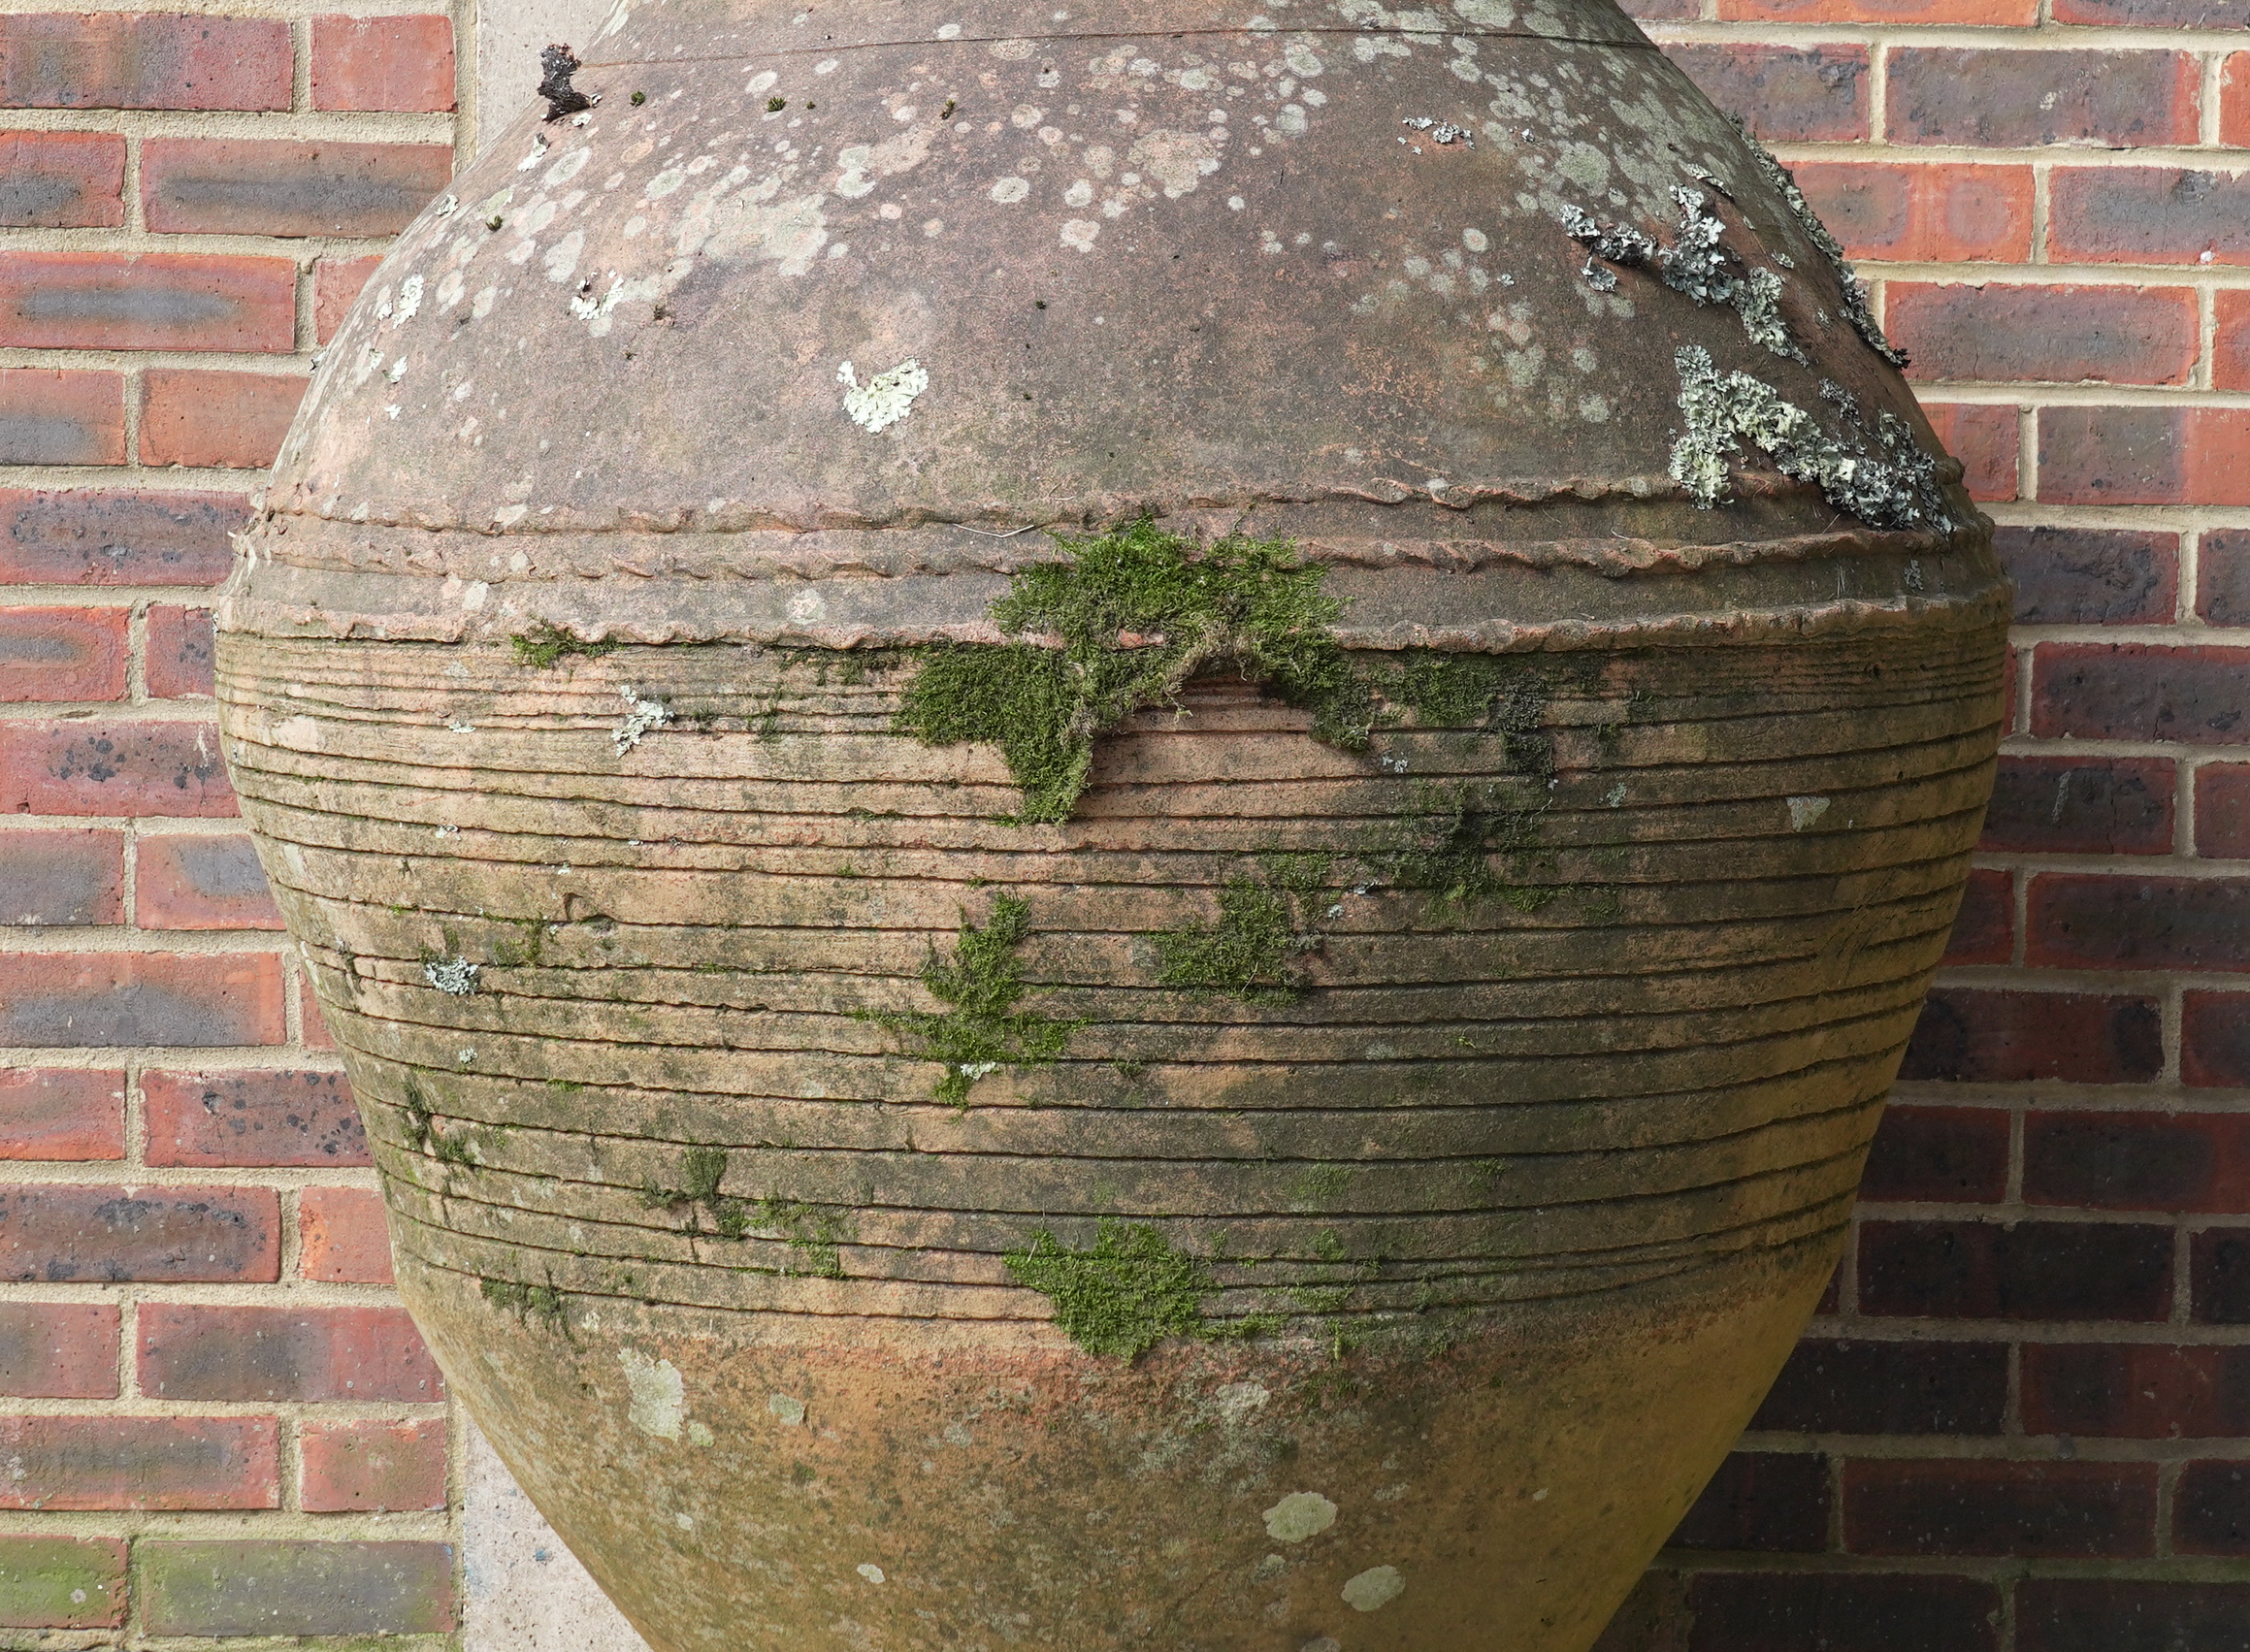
point(1967, 1036)
point(1993, 99)
point(62, 1582)
point(58, 1351)
point(2005, 13)
point(222, 420)
point(2156, 14)
point(151, 1463)
point(2148, 215)
point(2023, 332)
point(335, 282)
point(1868, 1387)
point(266, 1117)
point(2215, 1040)
point(61, 180)
point(1949, 1154)
point(355, 1467)
point(2233, 96)
point(2145, 455)
point(62, 654)
point(2055, 1614)
point(143, 60)
point(146, 300)
point(79, 1000)
point(1650, 11)
point(2093, 922)
point(2231, 334)
point(2140, 692)
point(62, 877)
point(2090, 576)
point(2136, 1391)
point(274, 187)
point(2078, 1510)
point(127, 767)
point(2082, 806)
point(2219, 1276)
point(2118, 1161)
point(2222, 577)
point(1788, 94)
point(181, 651)
point(53, 416)
point(201, 881)
point(64, 1233)
point(1984, 438)
point(1985, 930)
point(116, 537)
point(317, 1354)
point(68, 1114)
point(2211, 1510)
point(1831, 1611)
point(251, 1587)
point(2023, 1270)
point(316, 1034)
point(398, 64)
point(345, 1238)
point(1938, 213)
point(1768, 1502)
point(1652, 1619)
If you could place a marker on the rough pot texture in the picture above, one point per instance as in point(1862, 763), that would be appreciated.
point(1121, 826)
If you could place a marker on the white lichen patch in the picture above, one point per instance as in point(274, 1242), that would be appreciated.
point(1854, 296)
point(873, 1572)
point(456, 976)
point(640, 716)
point(657, 1394)
point(1079, 233)
point(1009, 190)
point(1804, 811)
point(885, 399)
point(410, 301)
point(1300, 1515)
point(1694, 265)
point(1374, 1589)
point(1176, 161)
point(787, 1409)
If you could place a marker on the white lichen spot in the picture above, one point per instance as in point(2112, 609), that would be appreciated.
point(1175, 160)
point(562, 259)
point(762, 83)
point(1594, 410)
point(1235, 203)
point(658, 1394)
point(809, 607)
point(1079, 194)
point(410, 300)
point(455, 976)
point(538, 152)
point(946, 31)
point(565, 169)
point(1804, 811)
point(1475, 241)
point(640, 716)
point(786, 1409)
point(699, 1434)
point(869, 1570)
point(1300, 1515)
point(398, 370)
point(1291, 122)
point(885, 399)
point(665, 183)
point(1009, 190)
point(1079, 232)
point(1374, 1589)
point(685, 1521)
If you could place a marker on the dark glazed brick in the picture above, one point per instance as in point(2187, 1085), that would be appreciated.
point(1954, 1154)
point(1786, 94)
point(291, 1117)
point(62, 877)
point(84, 999)
point(1652, 1619)
point(254, 186)
point(1772, 1501)
point(2055, 1614)
point(2082, 806)
point(125, 767)
point(48, 416)
point(2079, 1510)
point(2005, 99)
point(2222, 577)
point(2024, 333)
point(2090, 576)
point(2092, 922)
point(2148, 215)
point(2219, 1274)
point(250, 1587)
point(143, 60)
point(62, 1582)
point(2123, 1161)
point(146, 300)
point(2211, 1510)
point(1849, 1387)
point(1985, 930)
point(2157, 14)
point(58, 1351)
point(72, 1113)
point(317, 1354)
point(2223, 810)
point(149, 1462)
point(62, 654)
point(2025, 1270)
point(201, 881)
point(1812, 1612)
point(2115, 691)
point(71, 1233)
point(2215, 1039)
point(101, 536)
point(1970, 1037)
point(56, 181)
point(2136, 1391)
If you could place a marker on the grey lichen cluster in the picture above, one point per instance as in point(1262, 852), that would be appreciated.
point(1694, 265)
point(1895, 487)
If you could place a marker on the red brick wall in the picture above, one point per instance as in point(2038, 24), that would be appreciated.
point(215, 1418)
point(2022, 1422)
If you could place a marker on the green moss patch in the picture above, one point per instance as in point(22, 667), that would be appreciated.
point(1265, 923)
point(981, 1030)
point(1450, 844)
point(543, 644)
point(541, 1305)
point(812, 1233)
point(1123, 1294)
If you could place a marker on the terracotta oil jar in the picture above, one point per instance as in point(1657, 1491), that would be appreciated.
point(1120, 820)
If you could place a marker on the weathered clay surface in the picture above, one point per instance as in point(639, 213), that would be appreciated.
point(1474, 1103)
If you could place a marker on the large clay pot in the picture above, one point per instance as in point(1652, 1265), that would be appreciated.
point(1307, 1118)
